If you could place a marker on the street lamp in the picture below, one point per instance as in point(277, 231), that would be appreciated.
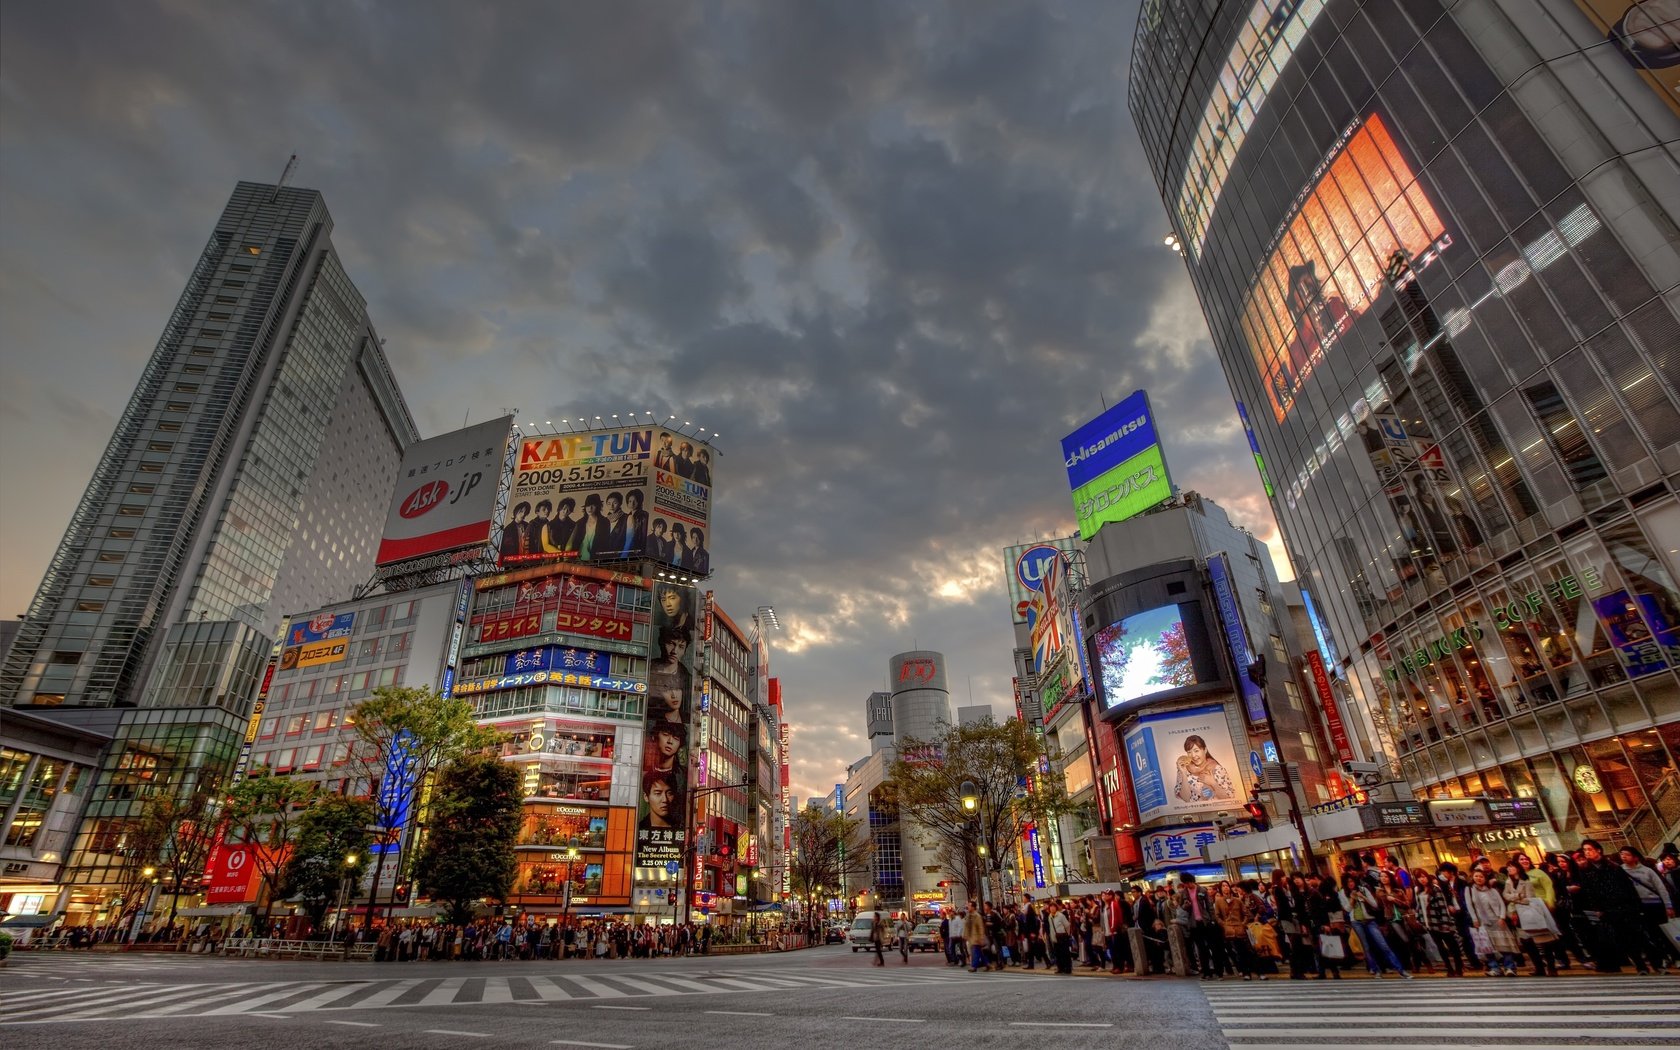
point(970, 796)
point(344, 881)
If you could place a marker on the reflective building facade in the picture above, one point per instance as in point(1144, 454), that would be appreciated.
point(1436, 245)
point(248, 476)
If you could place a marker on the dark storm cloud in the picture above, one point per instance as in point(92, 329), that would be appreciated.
point(891, 251)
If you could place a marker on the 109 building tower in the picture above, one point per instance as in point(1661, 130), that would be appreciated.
point(1437, 248)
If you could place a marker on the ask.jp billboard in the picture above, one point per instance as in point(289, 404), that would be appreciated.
point(609, 495)
point(445, 497)
point(1115, 466)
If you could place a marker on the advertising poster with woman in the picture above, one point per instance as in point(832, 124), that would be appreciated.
point(1183, 762)
point(662, 810)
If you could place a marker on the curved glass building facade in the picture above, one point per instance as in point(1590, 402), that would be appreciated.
point(1437, 248)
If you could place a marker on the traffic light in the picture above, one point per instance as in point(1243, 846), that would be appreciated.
point(725, 849)
point(1257, 814)
point(944, 883)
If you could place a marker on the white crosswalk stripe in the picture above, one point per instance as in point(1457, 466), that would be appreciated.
point(63, 1004)
point(1575, 1012)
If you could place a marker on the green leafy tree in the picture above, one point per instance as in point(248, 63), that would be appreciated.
point(1001, 761)
point(403, 735)
point(470, 834)
point(826, 849)
point(264, 811)
point(332, 829)
point(179, 830)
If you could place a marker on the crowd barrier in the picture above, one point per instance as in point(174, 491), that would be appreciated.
point(281, 948)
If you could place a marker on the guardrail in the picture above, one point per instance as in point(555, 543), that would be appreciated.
point(280, 948)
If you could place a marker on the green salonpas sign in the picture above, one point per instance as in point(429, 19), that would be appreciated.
point(1130, 488)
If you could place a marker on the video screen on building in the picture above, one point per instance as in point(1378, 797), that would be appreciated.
point(1365, 214)
point(1144, 654)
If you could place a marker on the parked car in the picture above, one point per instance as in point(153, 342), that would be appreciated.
point(925, 938)
point(859, 936)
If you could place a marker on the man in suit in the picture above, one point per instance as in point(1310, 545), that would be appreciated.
point(698, 560)
point(609, 542)
point(635, 524)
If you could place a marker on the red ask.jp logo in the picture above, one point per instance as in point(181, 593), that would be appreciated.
point(424, 499)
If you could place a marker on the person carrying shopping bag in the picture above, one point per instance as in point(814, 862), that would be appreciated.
point(1365, 908)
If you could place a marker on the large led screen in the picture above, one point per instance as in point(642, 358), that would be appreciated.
point(1365, 212)
point(1144, 654)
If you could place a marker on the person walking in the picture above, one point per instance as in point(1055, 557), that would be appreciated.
point(1606, 899)
point(1233, 913)
point(974, 935)
point(1329, 925)
point(1495, 941)
point(1655, 907)
point(1365, 907)
point(878, 935)
point(901, 936)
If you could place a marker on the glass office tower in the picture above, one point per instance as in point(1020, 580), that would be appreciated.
point(248, 476)
point(1436, 245)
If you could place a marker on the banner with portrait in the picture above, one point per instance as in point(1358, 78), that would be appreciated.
point(662, 810)
point(1183, 762)
point(611, 495)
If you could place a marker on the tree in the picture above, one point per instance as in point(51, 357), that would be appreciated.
point(402, 736)
point(182, 829)
point(1174, 649)
point(331, 829)
point(826, 849)
point(263, 811)
point(1001, 761)
point(470, 835)
point(141, 847)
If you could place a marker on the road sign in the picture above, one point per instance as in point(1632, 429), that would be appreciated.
point(672, 867)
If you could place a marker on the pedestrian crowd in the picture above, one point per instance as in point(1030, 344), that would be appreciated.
point(505, 940)
point(1586, 908)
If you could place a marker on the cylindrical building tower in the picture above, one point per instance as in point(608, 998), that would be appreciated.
point(921, 701)
point(1437, 249)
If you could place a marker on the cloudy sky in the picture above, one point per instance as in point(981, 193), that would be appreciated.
point(891, 252)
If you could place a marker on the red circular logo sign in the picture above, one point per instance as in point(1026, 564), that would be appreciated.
point(424, 499)
point(236, 860)
point(320, 622)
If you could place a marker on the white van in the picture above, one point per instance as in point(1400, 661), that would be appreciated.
point(861, 933)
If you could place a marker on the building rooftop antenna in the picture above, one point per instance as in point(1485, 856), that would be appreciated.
point(285, 177)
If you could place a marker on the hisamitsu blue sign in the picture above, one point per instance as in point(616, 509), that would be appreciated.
point(1109, 440)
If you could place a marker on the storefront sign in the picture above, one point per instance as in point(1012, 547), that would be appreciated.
point(1037, 857)
point(1327, 704)
point(1506, 836)
point(1514, 810)
point(1395, 815)
point(1176, 847)
point(1511, 614)
point(515, 681)
point(1458, 812)
point(1236, 636)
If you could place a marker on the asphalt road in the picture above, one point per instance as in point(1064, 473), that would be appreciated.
point(824, 997)
point(827, 997)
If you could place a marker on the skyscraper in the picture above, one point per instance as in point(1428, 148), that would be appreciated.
point(248, 476)
point(1436, 248)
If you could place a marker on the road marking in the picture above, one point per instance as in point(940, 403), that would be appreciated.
point(580, 1042)
point(277, 1017)
point(448, 1031)
point(357, 1024)
point(621, 1007)
point(1058, 1024)
point(739, 1013)
point(896, 1020)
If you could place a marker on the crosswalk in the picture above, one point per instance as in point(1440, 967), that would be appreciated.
point(58, 1004)
point(1535, 1014)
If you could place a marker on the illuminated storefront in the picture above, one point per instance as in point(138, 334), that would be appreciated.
point(1438, 270)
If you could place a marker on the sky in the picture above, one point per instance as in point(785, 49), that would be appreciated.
point(890, 252)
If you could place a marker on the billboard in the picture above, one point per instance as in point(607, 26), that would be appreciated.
point(1144, 654)
point(1183, 762)
point(1364, 211)
point(662, 810)
point(607, 495)
point(1647, 33)
point(1236, 636)
point(322, 639)
point(1023, 572)
point(231, 873)
point(1115, 466)
point(445, 497)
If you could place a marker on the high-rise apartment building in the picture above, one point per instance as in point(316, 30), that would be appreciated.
point(248, 476)
point(1437, 246)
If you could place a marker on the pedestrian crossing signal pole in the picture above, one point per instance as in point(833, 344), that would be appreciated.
point(1257, 675)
